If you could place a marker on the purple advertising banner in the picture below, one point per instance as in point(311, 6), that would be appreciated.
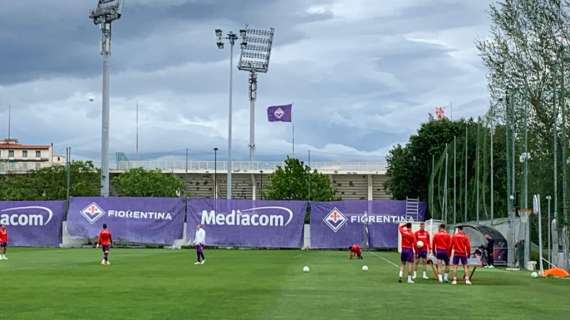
point(139, 220)
point(247, 223)
point(339, 224)
point(33, 223)
point(382, 224)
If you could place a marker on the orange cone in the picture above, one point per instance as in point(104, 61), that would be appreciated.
point(556, 273)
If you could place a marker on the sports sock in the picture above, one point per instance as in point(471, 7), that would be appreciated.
point(401, 274)
point(409, 278)
point(424, 274)
point(440, 277)
point(446, 276)
point(414, 273)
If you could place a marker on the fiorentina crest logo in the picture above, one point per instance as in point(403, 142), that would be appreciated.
point(335, 220)
point(279, 113)
point(92, 213)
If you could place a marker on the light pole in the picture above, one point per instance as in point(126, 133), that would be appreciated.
point(523, 159)
point(67, 171)
point(254, 58)
point(261, 184)
point(106, 12)
point(215, 173)
point(548, 198)
point(187, 156)
point(231, 37)
point(511, 234)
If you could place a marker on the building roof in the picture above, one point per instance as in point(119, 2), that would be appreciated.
point(4, 146)
point(12, 144)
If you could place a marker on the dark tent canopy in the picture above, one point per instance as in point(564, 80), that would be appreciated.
point(477, 234)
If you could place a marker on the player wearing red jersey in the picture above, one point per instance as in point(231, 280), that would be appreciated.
point(105, 240)
point(460, 251)
point(421, 253)
point(407, 253)
point(355, 251)
point(3, 242)
point(441, 248)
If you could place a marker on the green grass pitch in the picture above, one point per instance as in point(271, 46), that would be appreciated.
point(256, 284)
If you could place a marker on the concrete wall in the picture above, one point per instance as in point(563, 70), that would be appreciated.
point(347, 186)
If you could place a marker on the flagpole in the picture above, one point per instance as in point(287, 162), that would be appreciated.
point(9, 121)
point(293, 135)
point(137, 131)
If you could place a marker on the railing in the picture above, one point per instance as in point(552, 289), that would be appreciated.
point(181, 166)
point(22, 167)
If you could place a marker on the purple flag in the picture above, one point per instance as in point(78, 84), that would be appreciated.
point(280, 113)
point(339, 224)
point(248, 223)
point(33, 223)
point(140, 220)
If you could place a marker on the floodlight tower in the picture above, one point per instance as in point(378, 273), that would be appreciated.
point(106, 12)
point(254, 58)
point(231, 37)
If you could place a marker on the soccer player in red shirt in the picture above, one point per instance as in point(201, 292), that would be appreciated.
point(355, 251)
point(407, 253)
point(105, 240)
point(3, 242)
point(441, 248)
point(460, 251)
point(421, 253)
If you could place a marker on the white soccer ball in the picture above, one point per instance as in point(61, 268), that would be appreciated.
point(306, 269)
point(364, 268)
point(420, 244)
point(534, 274)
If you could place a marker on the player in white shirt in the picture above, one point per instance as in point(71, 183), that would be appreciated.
point(199, 242)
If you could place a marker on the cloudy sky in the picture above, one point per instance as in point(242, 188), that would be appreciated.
point(362, 74)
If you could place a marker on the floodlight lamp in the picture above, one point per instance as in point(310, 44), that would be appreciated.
point(106, 11)
point(219, 33)
point(242, 33)
point(232, 37)
point(220, 44)
point(256, 49)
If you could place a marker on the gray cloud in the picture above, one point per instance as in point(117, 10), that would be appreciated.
point(362, 74)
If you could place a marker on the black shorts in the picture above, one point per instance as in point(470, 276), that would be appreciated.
point(106, 248)
point(3, 244)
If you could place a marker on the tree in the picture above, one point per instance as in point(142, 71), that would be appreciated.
point(401, 172)
point(139, 182)
point(50, 183)
point(527, 57)
point(409, 167)
point(296, 181)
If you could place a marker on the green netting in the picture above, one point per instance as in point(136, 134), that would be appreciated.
point(493, 170)
point(461, 188)
point(481, 173)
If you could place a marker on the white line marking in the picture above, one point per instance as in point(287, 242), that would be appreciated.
point(381, 257)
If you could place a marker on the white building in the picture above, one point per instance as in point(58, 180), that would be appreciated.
point(22, 157)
